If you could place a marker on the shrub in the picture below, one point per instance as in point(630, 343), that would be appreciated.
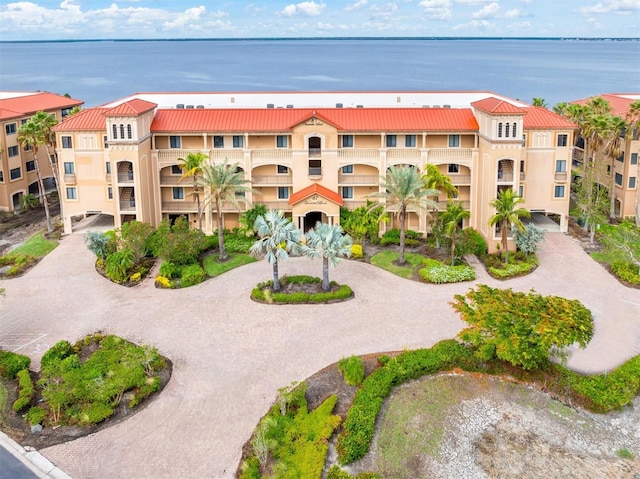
point(179, 243)
point(12, 363)
point(26, 391)
point(134, 236)
point(163, 282)
point(237, 243)
point(412, 238)
point(439, 273)
point(191, 275)
point(94, 413)
point(58, 352)
point(356, 251)
point(262, 292)
point(118, 264)
point(35, 415)
point(170, 270)
point(528, 239)
point(135, 277)
point(510, 270)
point(98, 243)
point(471, 242)
point(352, 369)
point(626, 271)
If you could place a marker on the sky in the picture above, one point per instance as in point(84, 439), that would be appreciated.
point(148, 19)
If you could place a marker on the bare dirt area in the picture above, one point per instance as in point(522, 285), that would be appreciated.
point(15, 228)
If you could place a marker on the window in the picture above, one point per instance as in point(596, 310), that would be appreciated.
point(121, 131)
point(27, 147)
point(110, 193)
point(347, 141)
point(513, 133)
point(1, 176)
point(454, 141)
point(72, 193)
point(562, 140)
point(11, 129)
point(283, 193)
point(13, 151)
point(176, 170)
point(15, 173)
point(347, 192)
point(129, 135)
point(105, 139)
point(31, 165)
point(524, 139)
point(24, 120)
point(506, 130)
point(218, 141)
point(561, 166)
point(108, 167)
point(347, 170)
point(453, 168)
point(391, 141)
point(499, 130)
point(115, 132)
point(281, 141)
point(283, 170)
point(521, 191)
point(178, 193)
point(66, 142)
point(632, 182)
point(634, 158)
point(238, 141)
point(618, 179)
point(69, 168)
point(174, 142)
point(410, 141)
point(65, 112)
point(559, 191)
point(621, 157)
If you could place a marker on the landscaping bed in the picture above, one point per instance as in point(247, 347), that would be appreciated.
point(300, 290)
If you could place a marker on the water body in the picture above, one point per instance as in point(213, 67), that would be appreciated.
point(101, 71)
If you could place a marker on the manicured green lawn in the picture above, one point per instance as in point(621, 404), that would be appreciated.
point(214, 268)
point(387, 259)
point(35, 246)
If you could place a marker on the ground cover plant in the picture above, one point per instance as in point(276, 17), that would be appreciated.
point(434, 271)
point(520, 264)
point(300, 290)
point(26, 255)
point(621, 251)
point(388, 260)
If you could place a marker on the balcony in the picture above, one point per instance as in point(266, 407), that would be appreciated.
point(505, 176)
point(126, 177)
point(276, 205)
point(107, 177)
point(128, 205)
point(268, 180)
point(442, 204)
point(409, 154)
point(522, 176)
point(180, 206)
point(450, 154)
point(460, 179)
point(170, 180)
point(358, 154)
point(352, 205)
point(561, 176)
point(271, 155)
point(372, 180)
point(173, 154)
point(234, 155)
point(315, 171)
point(70, 178)
point(315, 152)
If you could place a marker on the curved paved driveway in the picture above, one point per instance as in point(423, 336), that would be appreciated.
point(230, 354)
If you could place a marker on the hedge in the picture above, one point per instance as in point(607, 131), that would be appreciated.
point(12, 363)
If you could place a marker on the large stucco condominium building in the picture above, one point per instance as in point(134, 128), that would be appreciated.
point(17, 167)
point(311, 153)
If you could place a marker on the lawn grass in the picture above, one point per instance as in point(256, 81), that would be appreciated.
point(36, 246)
point(214, 268)
point(387, 260)
point(4, 394)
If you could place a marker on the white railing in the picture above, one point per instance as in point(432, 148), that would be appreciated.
point(272, 154)
point(450, 153)
point(403, 154)
point(272, 180)
point(352, 204)
point(358, 179)
point(125, 177)
point(174, 154)
point(233, 155)
point(186, 206)
point(358, 154)
point(460, 179)
point(171, 180)
point(276, 205)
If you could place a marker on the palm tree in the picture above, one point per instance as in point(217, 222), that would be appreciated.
point(614, 135)
point(31, 135)
point(633, 128)
point(538, 101)
point(223, 182)
point(507, 216)
point(192, 168)
point(329, 243)
point(404, 188)
point(452, 217)
point(278, 237)
point(436, 180)
point(561, 108)
point(46, 121)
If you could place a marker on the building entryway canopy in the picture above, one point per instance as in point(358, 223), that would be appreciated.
point(315, 203)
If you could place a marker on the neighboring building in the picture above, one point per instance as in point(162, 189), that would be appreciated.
point(17, 168)
point(311, 153)
point(627, 169)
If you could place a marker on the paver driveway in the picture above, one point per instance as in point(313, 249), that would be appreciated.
point(230, 355)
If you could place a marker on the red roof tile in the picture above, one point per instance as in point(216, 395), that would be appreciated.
point(91, 119)
point(496, 106)
point(315, 189)
point(539, 118)
point(284, 119)
point(29, 104)
point(619, 104)
point(131, 108)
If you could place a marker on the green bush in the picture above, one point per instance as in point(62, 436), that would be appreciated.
point(12, 363)
point(170, 270)
point(118, 264)
point(135, 237)
point(412, 238)
point(440, 273)
point(626, 271)
point(192, 274)
point(471, 242)
point(26, 391)
point(238, 243)
point(98, 243)
point(163, 282)
point(57, 353)
point(352, 369)
point(262, 292)
point(336, 473)
point(356, 251)
point(35, 415)
point(94, 413)
point(510, 270)
point(178, 243)
point(250, 469)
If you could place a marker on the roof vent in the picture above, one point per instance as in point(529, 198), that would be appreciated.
point(289, 106)
point(189, 106)
point(426, 106)
point(338, 105)
point(270, 105)
point(200, 106)
point(436, 106)
point(180, 105)
point(359, 106)
point(446, 106)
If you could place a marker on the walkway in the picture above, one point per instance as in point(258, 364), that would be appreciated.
point(230, 354)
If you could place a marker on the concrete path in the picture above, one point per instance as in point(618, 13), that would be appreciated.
point(230, 354)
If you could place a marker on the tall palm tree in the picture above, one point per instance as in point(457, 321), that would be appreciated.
point(46, 122)
point(561, 108)
point(329, 243)
point(436, 180)
point(223, 182)
point(31, 135)
point(507, 215)
point(538, 101)
point(192, 168)
point(633, 128)
point(278, 237)
point(404, 188)
point(614, 138)
point(452, 217)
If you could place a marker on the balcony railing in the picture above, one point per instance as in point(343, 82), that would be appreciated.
point(231, 154)
point(315, 152)
point(174, 154)
point(505, 176)
point(180, 206)
point(460, 179)
point(276, 205)
point(107, 177)
point(442, 204)
point(352, 204)
point(359, 153)
point(403, 153)
point(450, 153)
point(358, 180)
point(522, 176)
point(126, 177)
point(260, 180)
point(69, 178)
point(171, 180)
point(561, 176)
point(315, 171)
point(272, 154)
point(128, 205)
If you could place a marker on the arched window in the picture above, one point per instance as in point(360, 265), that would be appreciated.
point(129, 130)
point(115, 132)
point(121, 131)
point(500, 130)
point(506, 130)
point(513, 133)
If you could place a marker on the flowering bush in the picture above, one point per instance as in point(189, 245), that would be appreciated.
point(163, 282)
point(356, 251)
point(439, 273)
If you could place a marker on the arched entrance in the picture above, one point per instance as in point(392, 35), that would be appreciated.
point(311, 218)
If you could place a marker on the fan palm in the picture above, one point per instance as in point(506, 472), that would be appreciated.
point(192, 168)
point(507, 215)
point(329, 243)
point(403, 189)
point(452, 217)
point(278, 237)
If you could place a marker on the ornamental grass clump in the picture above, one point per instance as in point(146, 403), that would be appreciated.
point(352, 369)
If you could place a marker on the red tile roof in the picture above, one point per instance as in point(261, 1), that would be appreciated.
point(619, 104)
point(91, 119)
point(315, 189)
point(131, 108)
point(284, 119)
point(496, 106)
point(26, 105)
point(539, 118)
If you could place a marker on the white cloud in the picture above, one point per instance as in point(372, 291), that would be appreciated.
point(303, 9)
point(188, 17)
point(331, 27)
point(473, 2)
point(622, 7)
point(436, 9)
point(493, 10)
point(474, 25)
point(356, 6)
point(385, 10)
